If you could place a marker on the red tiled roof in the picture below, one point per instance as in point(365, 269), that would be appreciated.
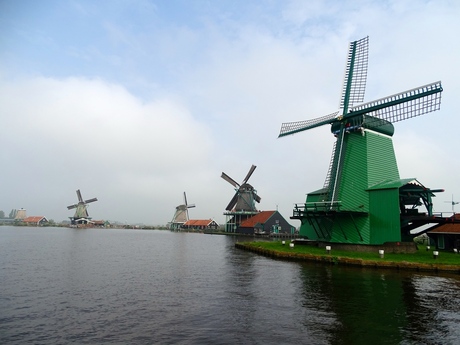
point(449, 228)
point(260, 218)
point(198, 222)
point(33, 219)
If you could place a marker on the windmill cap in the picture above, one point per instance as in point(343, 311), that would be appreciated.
point(355, 123)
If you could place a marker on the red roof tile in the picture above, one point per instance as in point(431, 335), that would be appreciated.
point(33, 219)
point(198, 222)
point(449, 228)
point(260, 218)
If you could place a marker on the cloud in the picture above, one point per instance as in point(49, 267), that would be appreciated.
point(91, 132)
point(147, 104)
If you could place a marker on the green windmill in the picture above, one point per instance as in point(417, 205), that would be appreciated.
point(363, 200)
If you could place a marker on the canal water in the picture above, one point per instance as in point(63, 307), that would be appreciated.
point(97, 286)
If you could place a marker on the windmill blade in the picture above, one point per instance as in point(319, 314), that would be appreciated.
point(355, 74)
point(80, 199)
point(90, 200)
point(403, 106)
point(251, 170)
point(232, 202)
point(289, 128)
point(72, 206)
point(190, 206)
point(257, 198)
point(230, 180)
point(185, 199)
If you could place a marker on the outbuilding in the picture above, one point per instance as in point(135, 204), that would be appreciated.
point(447, 236)
point(265, 223)
point(200, 224)
point(35, 220)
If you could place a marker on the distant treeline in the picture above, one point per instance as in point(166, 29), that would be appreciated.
point(12, 214)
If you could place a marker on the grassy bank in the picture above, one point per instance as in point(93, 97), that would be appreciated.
point(422, 260)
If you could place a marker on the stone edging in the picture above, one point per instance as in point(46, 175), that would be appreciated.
point(350, 261)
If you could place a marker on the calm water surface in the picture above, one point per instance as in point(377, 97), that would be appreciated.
point(95, 286)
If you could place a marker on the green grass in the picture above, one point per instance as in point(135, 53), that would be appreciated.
point(421, 256)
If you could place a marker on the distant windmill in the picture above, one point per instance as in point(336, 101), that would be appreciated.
point(242, 205)
point(81, 212)
point(245, 195)
point(181, 214)
point(453, 203)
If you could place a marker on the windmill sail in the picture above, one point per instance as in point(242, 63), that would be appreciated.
point(229, 180)
point(80, 199)
point(289, 128)
point(404, 105)
point(232, 202)
point(248, 175)
point(355, 74)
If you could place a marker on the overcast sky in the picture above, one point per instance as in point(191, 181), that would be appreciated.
point(135, 102)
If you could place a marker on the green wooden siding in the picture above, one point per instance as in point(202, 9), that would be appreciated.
point(381, 159)
point(368, 160)
point(384, 216)
point(353, 182)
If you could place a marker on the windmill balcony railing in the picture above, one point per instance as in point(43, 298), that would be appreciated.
point(316, 206)
point(240, 212)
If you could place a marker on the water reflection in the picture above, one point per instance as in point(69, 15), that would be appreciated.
point(433, 309)
point(361, 306)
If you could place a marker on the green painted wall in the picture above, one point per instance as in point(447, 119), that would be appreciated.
point(368, 159)
point(384, 216)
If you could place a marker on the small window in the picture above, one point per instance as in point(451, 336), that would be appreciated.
point(441, 242)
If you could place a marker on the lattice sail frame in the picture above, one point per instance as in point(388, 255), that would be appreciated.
point(354, 85)
point(289, 128)
point(404, 105)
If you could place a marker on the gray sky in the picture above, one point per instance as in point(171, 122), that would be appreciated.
point(135, 102)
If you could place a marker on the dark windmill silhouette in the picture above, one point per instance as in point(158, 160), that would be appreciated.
point(364, 200)
point(242, 206)
point(181, 215)
point(81, 210)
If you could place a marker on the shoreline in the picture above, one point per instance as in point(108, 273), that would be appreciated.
point(346, 261)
